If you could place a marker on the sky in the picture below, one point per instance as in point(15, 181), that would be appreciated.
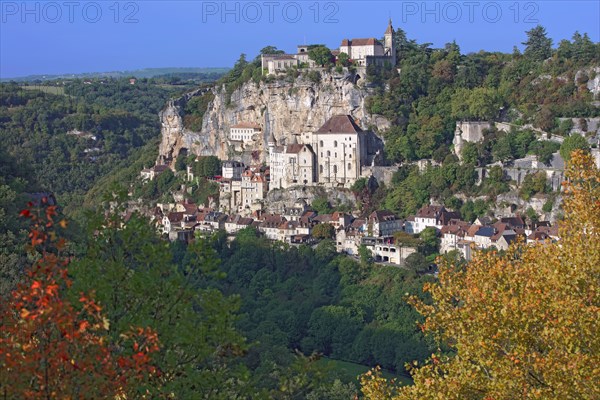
point(69, 36)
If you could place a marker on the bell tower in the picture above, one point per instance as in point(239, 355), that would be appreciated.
point(389, 45)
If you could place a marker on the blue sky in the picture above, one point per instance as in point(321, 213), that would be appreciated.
point(70, 36)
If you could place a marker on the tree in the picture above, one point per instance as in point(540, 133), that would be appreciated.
point(572, 143)
point(430, 242)
point(343, 60)
point(271, 50)
point(523, 324)
point(532, 184)
point(417, 262)
point(469, 153)
point(321, 55)
point(323, 231)
point(321, 205)
point(538, 46)
point(51, 347)
point(132, 272)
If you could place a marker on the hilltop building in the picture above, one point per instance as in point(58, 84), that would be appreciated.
point(370, 51)
point(362, 51)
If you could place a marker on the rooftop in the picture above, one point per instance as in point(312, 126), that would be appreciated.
point(340, 124)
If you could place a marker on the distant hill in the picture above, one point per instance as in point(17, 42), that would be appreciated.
point(138, 73)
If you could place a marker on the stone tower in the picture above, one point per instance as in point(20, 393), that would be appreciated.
point(389, 45)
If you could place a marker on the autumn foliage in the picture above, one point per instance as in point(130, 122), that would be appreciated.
point(51, 348)
point(519, 325)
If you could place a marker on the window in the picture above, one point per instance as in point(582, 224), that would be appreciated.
point(335, 143)
point(349, 166)
point(335, 169)
point(335, 154)
point(321, 143)
point(328, 153)
point(321, 169)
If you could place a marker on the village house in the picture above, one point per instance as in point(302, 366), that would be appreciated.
point(245, 132)
point(430, 216)
point(172, 221)
point(270, 226)
point(295, 212)
point(235, 223)
point(211, 221)
point(290, 165)
point(348, 240)
point(383, 223)
point(232, 169)
point(453, 236)
point(254, 188)
point(151, 173)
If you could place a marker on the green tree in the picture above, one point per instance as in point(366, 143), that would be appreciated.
point(132, 273)
point(321, 205)
point(572, 143)
point(417, 262)
point(271, 50)
point(538, 46)
point(343, 60)
point(532, 184)
point(321, 55)
point(323, 231)
point(430, 241)
point(469, 153)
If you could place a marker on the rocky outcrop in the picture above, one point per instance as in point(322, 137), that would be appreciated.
point(278, 199)
point(468, 132)
point(281, 107)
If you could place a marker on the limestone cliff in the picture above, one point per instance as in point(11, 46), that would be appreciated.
point(281, 107)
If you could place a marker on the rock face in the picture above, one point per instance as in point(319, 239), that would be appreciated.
point(282, 107)
point(468, 132)
point(278, 199)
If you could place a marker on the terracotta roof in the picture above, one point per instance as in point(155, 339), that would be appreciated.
point(190, 208)
point(258, 178)
point(473, 230)
point(515, 222)
point(294, 148)
point(323, 218)
point(340, 124)
point(175, 216)
point(288, 225)
point(383, 215)
point(273, 221)
point(360, 42)
point(279, 57)
point(430, 211)
point(246, 125)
